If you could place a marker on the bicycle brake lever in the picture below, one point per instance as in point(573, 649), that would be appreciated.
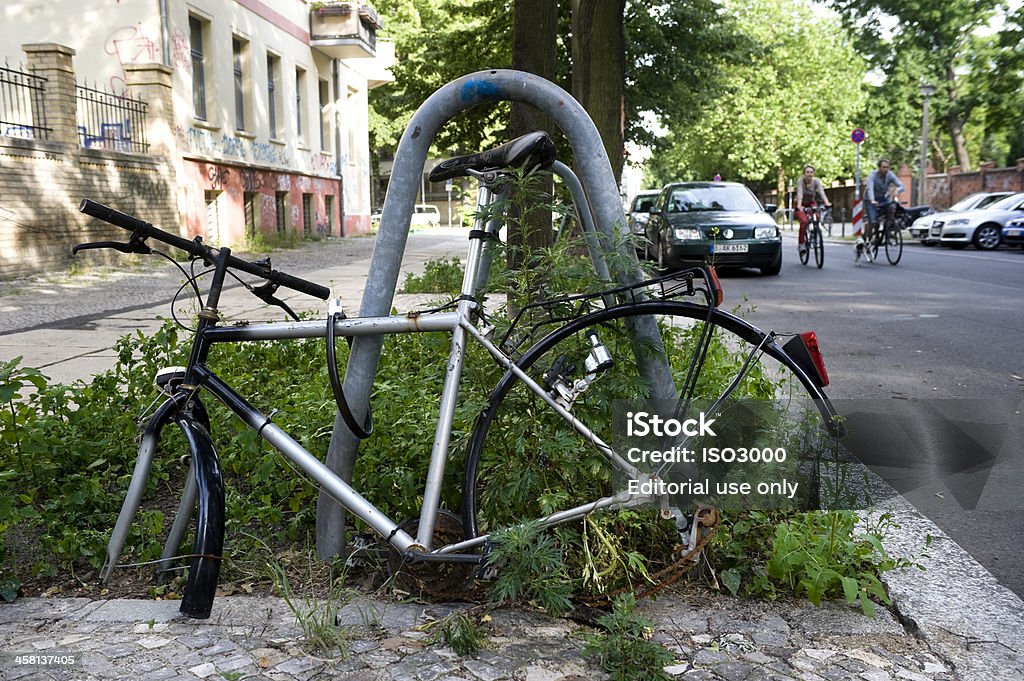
point(266, 291)
point(130, 247)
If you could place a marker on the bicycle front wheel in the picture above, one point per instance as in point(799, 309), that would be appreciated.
point(818, 245)
point(527, 461)
point(893, 245)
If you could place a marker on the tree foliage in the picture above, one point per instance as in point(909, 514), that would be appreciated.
point(793, 102)
point(942, 44)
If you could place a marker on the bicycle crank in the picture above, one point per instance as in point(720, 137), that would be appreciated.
point(436, 579)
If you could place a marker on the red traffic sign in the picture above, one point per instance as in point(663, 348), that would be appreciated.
point(858, 135)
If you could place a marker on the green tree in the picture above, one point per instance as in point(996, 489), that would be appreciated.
point(916, 41)
point(792, 103)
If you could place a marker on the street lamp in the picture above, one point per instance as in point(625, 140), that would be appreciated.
point(927, 91)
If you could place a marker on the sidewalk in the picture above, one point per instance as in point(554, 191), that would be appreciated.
point(954, 621)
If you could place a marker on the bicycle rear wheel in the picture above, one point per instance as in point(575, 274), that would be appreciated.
point(804, 252)
point(525, 461)
point(818, 245)
point(893, 244)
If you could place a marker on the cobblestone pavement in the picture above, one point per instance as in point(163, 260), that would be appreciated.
point(713, 639)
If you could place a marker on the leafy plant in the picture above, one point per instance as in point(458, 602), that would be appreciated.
point(439, 276)
point(530, 568)
point(815, 555)
point(624, 648)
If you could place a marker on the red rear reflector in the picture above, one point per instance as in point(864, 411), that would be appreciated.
point(805, 352)
point(717, 293)
point(811, 341)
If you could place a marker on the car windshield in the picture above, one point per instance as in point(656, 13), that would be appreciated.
point(642, 204)
point(1009, 203)
point(975, 201)
point(727, 198)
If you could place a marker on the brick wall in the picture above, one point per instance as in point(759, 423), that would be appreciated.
point(42, 183)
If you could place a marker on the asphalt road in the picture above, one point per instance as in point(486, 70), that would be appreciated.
point(926, 361)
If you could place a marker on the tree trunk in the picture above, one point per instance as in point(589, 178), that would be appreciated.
point(955, 121)
point(534, 35)
point(599, 70)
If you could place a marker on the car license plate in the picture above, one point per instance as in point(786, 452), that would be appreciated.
point(1014, 232)
point(730, 248)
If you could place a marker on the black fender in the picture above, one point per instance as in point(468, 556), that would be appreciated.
point(209, 540)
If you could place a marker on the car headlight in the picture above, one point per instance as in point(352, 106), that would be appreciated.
point(765, 233)
point(686, 234)
point(960, 221)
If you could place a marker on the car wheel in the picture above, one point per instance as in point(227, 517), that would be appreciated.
point(776, 266)
point(987, 237)
point(928, 243)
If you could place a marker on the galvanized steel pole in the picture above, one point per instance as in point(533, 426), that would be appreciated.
point(593, 168)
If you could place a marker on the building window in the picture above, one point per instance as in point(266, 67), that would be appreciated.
point(196, 30)
point(212, 216)
point(325, 115)
point(329, 213)
point(249, 202)
point(273, 67)
point(281, 210)
point(238, 58)
point(300, 84)
point(307, 214)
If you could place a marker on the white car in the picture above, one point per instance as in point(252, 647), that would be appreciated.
point(425, 215)
point(922, 227)
point(983, 227)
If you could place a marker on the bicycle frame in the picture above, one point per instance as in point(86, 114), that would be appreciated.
point(205, 491)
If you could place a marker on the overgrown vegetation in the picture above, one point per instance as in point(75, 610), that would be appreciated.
point(439, 276)
point(68, 453)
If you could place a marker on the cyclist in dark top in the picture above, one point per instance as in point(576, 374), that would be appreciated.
point(808, 190)
point(881, 189)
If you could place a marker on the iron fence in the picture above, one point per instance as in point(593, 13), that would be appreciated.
point(22, 113)
point(108, 121)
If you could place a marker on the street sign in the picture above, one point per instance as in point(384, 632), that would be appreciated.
point(858, 135)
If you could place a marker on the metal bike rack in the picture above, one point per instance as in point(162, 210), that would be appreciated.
point(602, 197)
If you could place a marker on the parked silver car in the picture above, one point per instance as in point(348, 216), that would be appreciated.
point(922, 227)
point(983, 227)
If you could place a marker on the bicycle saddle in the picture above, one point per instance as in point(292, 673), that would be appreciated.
point(533, 150)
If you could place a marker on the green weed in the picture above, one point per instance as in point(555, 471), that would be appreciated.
point(624, 648)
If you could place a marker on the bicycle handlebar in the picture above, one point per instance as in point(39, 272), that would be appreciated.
point(196, 248)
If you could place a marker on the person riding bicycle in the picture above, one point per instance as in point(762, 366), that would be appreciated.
point(881, 188)
point(808, 190)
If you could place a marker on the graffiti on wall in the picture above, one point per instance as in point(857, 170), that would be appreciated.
point(181, 51)
point(224, 145)
point(129, 45)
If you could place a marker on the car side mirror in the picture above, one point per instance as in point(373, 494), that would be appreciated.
point(770, 208)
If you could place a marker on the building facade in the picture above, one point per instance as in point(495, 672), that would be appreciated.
point(267, 127)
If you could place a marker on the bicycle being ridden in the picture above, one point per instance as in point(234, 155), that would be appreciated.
point(881, 189)
point(809, 191)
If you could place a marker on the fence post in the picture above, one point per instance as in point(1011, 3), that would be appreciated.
point(55, 63)
point(152, 84)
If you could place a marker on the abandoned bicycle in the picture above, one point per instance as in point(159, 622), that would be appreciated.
point(571, 365)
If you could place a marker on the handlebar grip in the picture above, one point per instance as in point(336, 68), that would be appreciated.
point(114, 217)
point(199, 250)
point(302, 286)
